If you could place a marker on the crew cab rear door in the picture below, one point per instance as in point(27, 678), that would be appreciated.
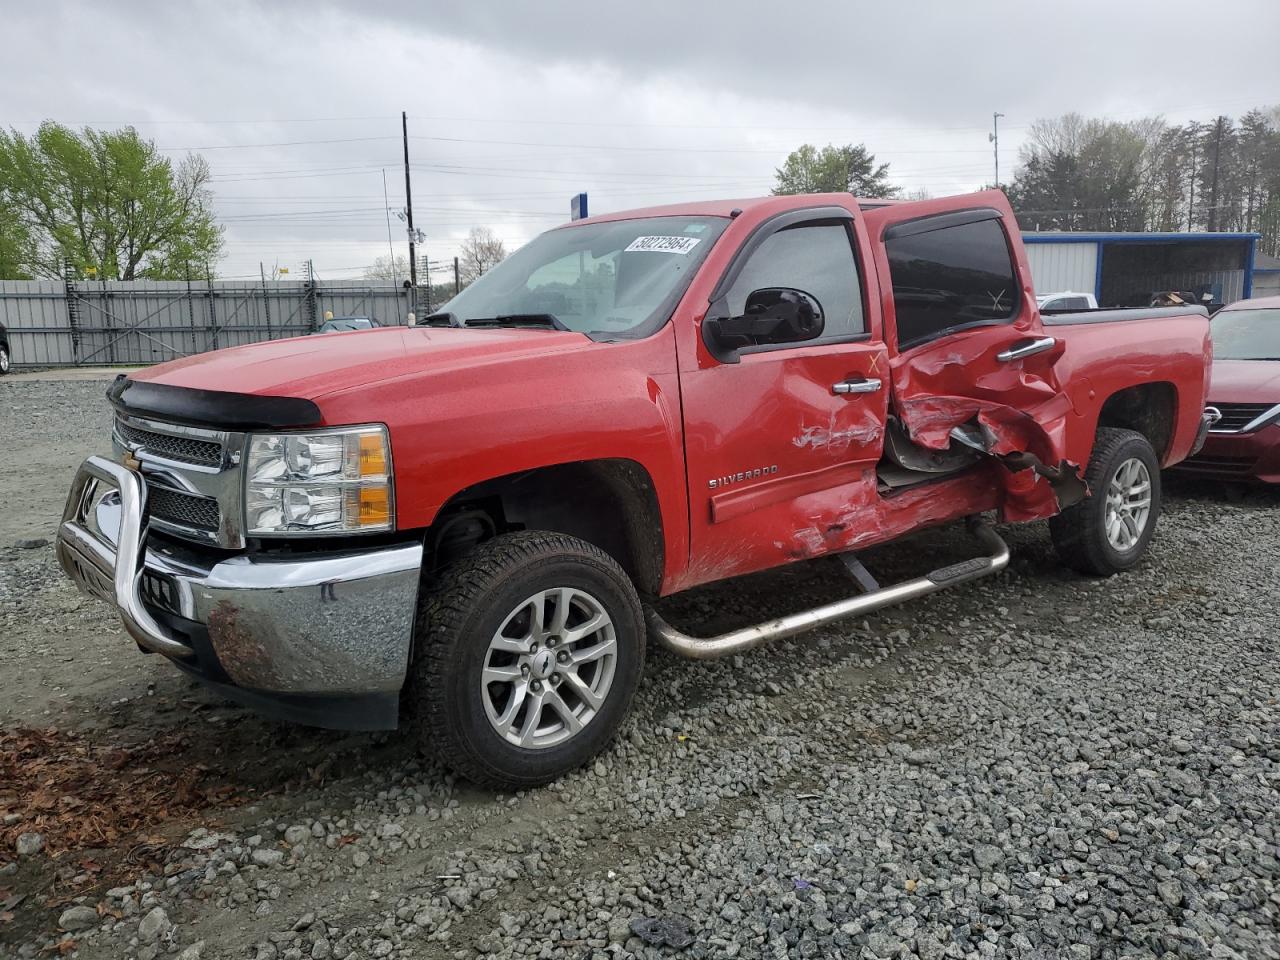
point(970, 361)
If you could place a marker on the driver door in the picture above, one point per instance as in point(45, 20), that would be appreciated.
point(781, 440)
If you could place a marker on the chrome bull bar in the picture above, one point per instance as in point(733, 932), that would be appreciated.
point(115, 574)
point(336, 623)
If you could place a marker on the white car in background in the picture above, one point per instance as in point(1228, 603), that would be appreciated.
point(1067, 300)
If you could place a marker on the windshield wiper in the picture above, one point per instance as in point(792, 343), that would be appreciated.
point(517, 320)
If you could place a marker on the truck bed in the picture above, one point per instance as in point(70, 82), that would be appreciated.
point(1119, 315)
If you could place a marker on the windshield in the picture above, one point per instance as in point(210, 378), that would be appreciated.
point(614, 279)
point(1247, 334)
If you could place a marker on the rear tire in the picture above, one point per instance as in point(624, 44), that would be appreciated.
point(5, 362)
point(1109, 531)
point(527, 621)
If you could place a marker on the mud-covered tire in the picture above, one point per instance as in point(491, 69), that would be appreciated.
point(1080, 533)
point(460, 616)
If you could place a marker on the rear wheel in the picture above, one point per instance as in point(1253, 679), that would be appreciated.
point(5, 362)
point(1109, 531)
point(530, 649)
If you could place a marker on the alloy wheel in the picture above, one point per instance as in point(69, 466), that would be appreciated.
point(549, 667)
point(1128, 504)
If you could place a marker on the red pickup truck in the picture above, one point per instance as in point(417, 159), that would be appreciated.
point(469, 518)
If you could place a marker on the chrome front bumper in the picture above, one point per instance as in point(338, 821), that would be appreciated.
point(337, 624)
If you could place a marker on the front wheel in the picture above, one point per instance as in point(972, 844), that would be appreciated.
point(1109, 530)
point(530, 650)
point(4, 359)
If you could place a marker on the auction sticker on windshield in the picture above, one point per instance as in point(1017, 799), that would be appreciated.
point(680, 245)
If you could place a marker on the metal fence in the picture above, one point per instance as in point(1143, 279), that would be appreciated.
point(56, 324)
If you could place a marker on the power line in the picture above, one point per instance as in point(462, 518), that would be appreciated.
point(629, 148)
point(287, 143)
point(600, 146)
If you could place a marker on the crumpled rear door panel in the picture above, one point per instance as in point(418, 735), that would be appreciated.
point(1018, 407)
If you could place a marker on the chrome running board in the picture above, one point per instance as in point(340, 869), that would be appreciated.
point(748, 638)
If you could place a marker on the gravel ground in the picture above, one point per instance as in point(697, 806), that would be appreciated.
point(1036, 765)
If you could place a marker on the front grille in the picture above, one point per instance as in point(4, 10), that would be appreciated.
point(1236, 416)
point(185, 449)
point(1220, 465)
point(183, 509)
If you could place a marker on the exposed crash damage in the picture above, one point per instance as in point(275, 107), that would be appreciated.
point(950, 433)
point(966, 396)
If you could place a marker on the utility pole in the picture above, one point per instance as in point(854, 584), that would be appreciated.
point(994, 138)
point(1213, 187)
point(391, 249)
point(457, 282)
point(408, 209)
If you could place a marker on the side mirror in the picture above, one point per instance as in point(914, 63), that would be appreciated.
point(771, 315)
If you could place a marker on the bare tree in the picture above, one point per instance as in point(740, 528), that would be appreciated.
point(481, 251)
point(385, 268)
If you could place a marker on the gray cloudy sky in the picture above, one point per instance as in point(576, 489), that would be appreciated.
point(515, 106)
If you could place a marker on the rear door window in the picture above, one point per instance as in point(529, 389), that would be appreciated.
point(951, 278)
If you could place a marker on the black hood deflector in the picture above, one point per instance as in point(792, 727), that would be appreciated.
point(210, 408)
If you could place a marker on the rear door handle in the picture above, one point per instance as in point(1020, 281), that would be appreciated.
point(1027, 348)
point(859, 385)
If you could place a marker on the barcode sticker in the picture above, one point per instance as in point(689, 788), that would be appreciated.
point(680, 245)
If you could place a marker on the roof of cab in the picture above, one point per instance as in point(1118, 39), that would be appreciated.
point(723, 208)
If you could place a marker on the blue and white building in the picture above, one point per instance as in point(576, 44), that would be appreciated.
point(1125, 269)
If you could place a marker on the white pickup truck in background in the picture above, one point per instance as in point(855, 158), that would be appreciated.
point(1067, 300)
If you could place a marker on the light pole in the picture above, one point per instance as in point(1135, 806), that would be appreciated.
point(994, 138)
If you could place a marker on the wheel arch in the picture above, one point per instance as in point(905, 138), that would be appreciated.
point(611, 503)
point(1150, 409)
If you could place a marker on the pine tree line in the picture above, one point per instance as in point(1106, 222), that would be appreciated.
point(1096, 174)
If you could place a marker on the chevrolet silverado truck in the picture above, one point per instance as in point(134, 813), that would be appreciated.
point(465, 523)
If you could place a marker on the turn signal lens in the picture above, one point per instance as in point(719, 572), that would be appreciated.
point(375, 507)
point(373, 455)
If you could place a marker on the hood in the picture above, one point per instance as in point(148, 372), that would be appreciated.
point(1245, 381)
point(310, 367)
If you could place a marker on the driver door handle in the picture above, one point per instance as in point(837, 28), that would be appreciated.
point(1026, 348)
point(856, 385)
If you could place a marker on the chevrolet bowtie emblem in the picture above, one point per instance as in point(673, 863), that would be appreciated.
point(130, 461)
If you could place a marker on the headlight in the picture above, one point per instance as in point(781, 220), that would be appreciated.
point(328, 481)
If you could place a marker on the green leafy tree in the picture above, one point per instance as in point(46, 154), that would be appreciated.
point(16, 248)
point(848, 169)
point(108, 204)
point(1046, 192)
